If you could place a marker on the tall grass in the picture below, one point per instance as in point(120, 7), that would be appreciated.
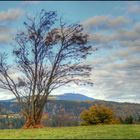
point(79, 132)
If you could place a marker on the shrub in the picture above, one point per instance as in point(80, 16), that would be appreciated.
point(98, 114)
point(128, 120)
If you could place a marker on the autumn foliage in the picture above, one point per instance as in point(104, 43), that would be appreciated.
point(98, 114)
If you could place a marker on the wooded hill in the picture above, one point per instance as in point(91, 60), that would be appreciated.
point(58, 112)
point(76, 107)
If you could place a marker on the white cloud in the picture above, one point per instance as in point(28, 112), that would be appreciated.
point(133, 8)
point(6, 34)
point(10, 15)
point(125, 35)
point(106, 22)
point(100, 38)
point(5, 38)
point(5, 95)
point(6, 31)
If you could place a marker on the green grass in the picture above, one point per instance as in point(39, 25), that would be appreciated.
point(81, 132)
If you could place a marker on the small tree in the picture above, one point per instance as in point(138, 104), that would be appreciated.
point(49, 54)
point(129, 120)
point(98, 114)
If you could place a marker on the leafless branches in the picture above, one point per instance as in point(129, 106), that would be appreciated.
point(47, 57)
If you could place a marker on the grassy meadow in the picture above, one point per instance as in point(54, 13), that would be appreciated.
point(81, 132)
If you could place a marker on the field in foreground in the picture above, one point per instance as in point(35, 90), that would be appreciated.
point(82, 132)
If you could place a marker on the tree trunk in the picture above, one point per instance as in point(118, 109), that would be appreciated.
point(33, 119)
point(33, 122)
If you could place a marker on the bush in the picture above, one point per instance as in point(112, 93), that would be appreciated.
point(128, 120)
point(98, 114)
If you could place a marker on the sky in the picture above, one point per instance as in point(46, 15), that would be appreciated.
point(113, 27)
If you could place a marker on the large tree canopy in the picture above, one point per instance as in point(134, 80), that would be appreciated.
point(48, 54)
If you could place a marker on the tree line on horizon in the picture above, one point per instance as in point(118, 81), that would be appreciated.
point(62, 116)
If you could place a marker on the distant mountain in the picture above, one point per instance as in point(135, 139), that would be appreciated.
point(75, 107)
point(74, 104)
point(66, 96)
point(9, 100)
point(73, 97)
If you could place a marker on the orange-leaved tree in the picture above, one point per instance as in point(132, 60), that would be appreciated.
point(98, 114)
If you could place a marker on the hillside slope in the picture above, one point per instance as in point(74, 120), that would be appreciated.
point(76, 107)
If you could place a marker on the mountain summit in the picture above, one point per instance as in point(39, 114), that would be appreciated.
point(73, 97)
point(65, 96)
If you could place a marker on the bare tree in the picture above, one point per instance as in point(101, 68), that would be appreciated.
point(48, 55)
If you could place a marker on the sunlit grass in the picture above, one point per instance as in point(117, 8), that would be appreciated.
point(81, 132)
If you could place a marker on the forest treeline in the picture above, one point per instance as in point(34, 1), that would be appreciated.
point(67, 113)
